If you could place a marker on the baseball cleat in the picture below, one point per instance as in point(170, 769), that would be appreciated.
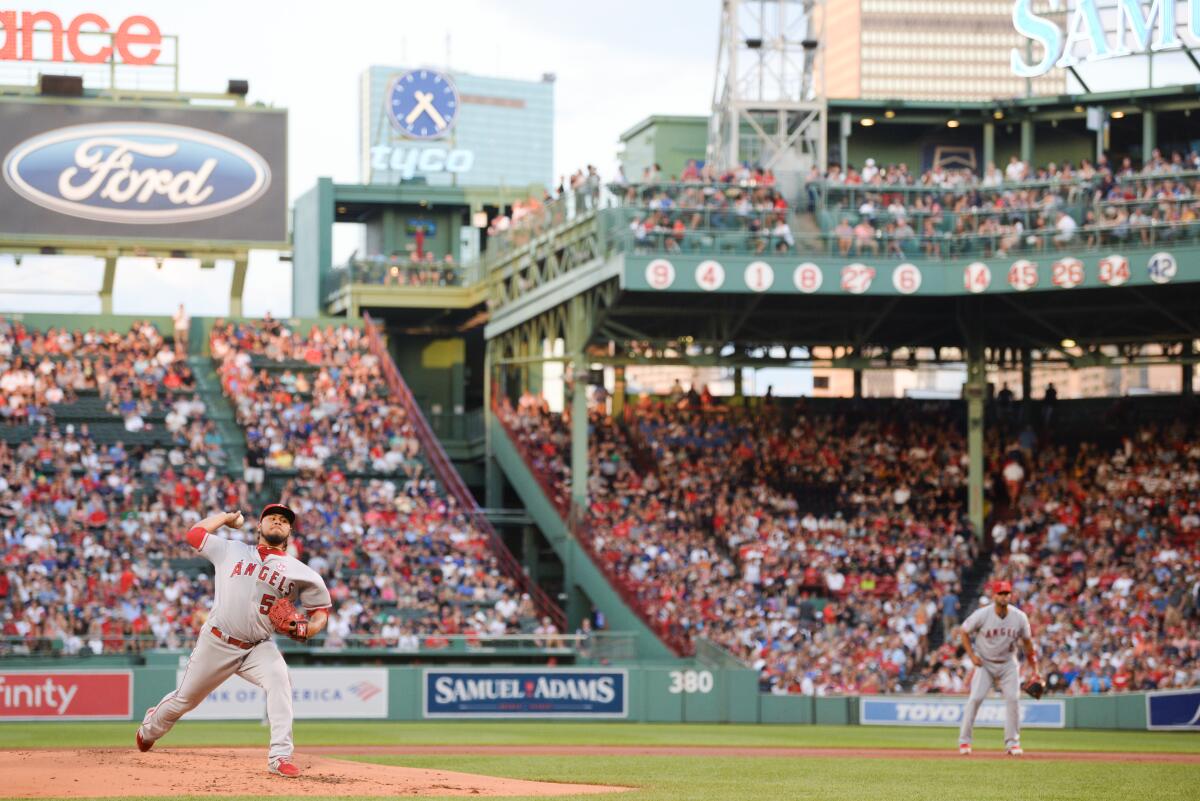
point(143, 745)
point(1015, 751)
point(964, 749)
point(285, 768)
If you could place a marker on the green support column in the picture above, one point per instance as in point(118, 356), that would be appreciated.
point(579, 432)
point(1027, 383)
point(106, 288)
point(492, 488)
point(618, 396)
point(858, 382)
point(975, 389)
point(1027, 142)
point(739, 387)
point(1189, 369)
point(1149, 133)
point(238, 285)
point(534, 377)
point(989, 143)
point(529, 553)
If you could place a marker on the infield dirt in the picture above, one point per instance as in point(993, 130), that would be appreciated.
point(108, 772)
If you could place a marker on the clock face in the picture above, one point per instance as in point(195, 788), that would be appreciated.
point(423, 104)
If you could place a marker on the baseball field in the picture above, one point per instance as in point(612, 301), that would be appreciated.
point(554, 760)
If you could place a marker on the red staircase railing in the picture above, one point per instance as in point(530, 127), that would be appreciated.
point(580, 528)
point(431, 446)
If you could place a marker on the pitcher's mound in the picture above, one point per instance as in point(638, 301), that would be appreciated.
point(168, 771)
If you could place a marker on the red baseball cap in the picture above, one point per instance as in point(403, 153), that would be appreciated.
point(279, 509)
point(1001, 586)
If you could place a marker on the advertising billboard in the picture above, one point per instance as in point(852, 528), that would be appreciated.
point(491, 693)
point(453, 128)
point(928, 710)
point(107, 171)
point(317, 693)
point(63, 695)
point(1177, 710)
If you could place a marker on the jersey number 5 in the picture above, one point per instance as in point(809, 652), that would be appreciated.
point(264, 606)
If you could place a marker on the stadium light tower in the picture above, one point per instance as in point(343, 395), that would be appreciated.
point(769, 97)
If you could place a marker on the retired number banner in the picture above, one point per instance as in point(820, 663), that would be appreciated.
point(489, 693)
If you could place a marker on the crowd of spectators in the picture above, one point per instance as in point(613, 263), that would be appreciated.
point(313, 402)
point(698, 510)
point(886, 210)
point(1102, 552)
point(136, 374)
point(91, 554)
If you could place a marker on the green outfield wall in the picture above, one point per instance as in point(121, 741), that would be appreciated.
point(644, 693)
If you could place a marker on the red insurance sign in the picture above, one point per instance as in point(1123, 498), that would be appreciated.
point(135, 40)
point(66, 696)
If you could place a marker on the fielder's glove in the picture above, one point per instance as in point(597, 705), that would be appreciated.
point(1035, 687)
point(287, 620)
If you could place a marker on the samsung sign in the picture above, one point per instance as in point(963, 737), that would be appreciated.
point(929, 710)
point(149, 173)
point(1141, 26)
point(488, 693)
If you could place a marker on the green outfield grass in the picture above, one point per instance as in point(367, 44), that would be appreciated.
point(209, 733)
point(719, 778)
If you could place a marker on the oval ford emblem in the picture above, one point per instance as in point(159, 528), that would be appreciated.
point(137, 172)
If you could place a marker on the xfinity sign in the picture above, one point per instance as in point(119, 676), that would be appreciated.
point(1141, 26)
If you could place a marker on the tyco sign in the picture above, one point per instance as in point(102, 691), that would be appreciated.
point(487, 693)
point(1141, 26)
point(1173, 709)
point(143, 172)
point(931, 711)
point(66, 696)
point(137, 173)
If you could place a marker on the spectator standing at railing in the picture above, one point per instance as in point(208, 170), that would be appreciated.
point(181, 322)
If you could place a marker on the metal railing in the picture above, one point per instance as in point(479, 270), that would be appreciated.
point(581, 532)
point(453, 426)
point(603, 645)
point(431, 448)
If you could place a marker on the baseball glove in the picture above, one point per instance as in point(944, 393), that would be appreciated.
point(287, 619)
point(1035, 687)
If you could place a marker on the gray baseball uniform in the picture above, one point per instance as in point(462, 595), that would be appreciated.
point(995, 641)
point(236, 638)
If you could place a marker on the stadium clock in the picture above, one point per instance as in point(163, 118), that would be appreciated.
point(423, 104)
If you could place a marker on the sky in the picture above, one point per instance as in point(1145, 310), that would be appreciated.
point(615, 62)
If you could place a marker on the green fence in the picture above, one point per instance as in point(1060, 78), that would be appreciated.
point(698, 693)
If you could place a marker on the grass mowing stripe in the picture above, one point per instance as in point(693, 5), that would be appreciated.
point(250, 733)
point(768, 779)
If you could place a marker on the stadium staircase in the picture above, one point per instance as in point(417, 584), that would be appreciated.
point(580, 566)
point(448, 476)
point(208, 389)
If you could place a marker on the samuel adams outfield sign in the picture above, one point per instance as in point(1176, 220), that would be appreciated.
point(546, 693)
point(158, 173)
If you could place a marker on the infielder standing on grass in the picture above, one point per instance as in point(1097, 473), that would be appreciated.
point(254, 586)
point(997, 628)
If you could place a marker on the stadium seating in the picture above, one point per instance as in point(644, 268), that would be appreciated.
point(696, 512)
point(92, 505)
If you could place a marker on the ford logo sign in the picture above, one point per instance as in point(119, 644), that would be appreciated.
point(137, 172)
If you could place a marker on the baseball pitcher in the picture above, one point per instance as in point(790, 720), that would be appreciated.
point(997, 628)
point(254, 588)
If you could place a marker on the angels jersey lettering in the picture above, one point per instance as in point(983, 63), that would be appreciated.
point(995, 638)
point(249, 579)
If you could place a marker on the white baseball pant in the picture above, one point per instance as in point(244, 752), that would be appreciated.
point(1007, 676)
point(211, 663)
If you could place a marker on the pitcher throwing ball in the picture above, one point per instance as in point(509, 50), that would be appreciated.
point(997, 628)
point(254, 585)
